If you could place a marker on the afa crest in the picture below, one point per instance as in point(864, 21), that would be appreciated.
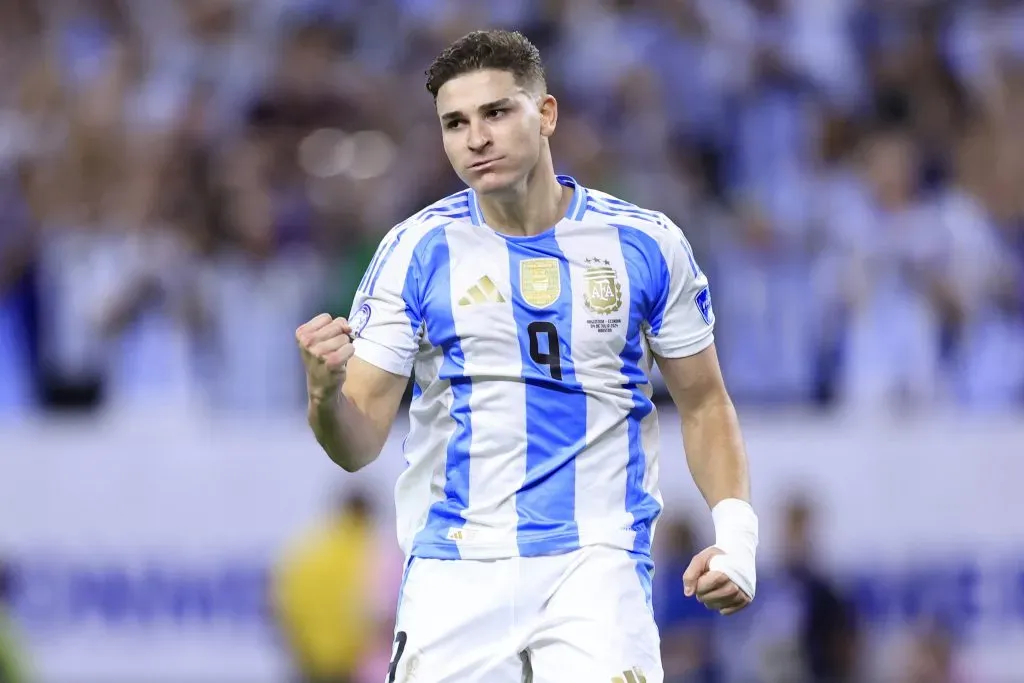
point(540, 281)
point(603, 293)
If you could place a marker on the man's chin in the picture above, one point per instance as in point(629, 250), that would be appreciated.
point(492, 184)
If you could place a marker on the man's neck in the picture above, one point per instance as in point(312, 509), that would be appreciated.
point(530, 209)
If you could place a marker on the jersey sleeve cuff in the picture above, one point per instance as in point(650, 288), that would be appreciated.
point(381, 356)
point(689, 347)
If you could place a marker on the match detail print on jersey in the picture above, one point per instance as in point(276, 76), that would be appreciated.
point(603, 295)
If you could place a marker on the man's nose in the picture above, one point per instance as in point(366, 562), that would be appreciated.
point(479, 137)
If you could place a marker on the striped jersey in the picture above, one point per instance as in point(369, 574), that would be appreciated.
point(532, 430)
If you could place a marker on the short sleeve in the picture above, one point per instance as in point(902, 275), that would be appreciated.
point(385, 317)
point(682, 321)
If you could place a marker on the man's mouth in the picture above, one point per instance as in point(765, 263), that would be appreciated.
point(480, 165)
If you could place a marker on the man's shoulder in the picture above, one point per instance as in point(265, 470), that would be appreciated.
point(454, 207)
point(410, 231)
point(607, 209)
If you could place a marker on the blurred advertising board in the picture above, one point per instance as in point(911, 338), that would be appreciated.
point(141, 549)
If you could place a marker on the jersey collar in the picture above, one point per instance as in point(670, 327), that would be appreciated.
point(577, 207)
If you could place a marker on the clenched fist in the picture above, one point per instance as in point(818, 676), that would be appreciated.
point(714, 589)
point(326, 345)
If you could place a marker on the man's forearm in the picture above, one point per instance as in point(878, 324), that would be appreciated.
point(345, 433)
point(715, 452)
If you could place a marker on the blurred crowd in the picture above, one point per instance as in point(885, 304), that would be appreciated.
point(183, 182)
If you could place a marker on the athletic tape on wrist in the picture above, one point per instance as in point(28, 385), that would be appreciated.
point(736, 534)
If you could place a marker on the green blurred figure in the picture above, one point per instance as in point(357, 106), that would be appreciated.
point(12, 668)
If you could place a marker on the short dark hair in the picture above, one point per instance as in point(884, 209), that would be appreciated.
point(495, 49)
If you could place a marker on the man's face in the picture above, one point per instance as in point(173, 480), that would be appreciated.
point(492, 128)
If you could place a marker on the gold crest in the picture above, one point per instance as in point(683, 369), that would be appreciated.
point(540, 281)
point(603, 291)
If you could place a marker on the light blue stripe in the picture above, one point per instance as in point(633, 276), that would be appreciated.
point(645, 294)
point(578, 197)
point(556, 413)
point(606, 210)
point(615, 204)
point(453, 215)
point(644, 567)
point(474, 209)
point(689, 254)
point(592, 208)
point(411, 291)
point(384, 252)
point(384, 246)
point(446, 208)
point(435, 261)
point(615, 201)
point(643, 255)
point(453, 200)
point(584, 203)
point(460, 210)
point(383, 261)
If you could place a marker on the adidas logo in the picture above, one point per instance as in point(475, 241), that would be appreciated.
point(634, 675)
point(483, 292)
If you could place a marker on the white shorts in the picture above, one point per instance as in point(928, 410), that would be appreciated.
point(583, 616)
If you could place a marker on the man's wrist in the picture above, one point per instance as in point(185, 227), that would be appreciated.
point(736, 535)
point(319, 398)
point(736, 526)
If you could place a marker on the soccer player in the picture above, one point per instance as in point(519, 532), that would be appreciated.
point(528, 309)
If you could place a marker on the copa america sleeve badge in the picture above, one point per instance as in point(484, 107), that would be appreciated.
point(359, 319)
point(703, 301)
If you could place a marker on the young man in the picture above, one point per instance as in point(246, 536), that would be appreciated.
point(528, 309)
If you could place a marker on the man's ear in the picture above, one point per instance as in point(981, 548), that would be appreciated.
point(548, 107)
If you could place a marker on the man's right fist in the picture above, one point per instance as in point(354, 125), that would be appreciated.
point(326, 345)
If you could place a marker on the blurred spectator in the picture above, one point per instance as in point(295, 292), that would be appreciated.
point(931, 656)
point(896, 288)
point(686, 626)
point(327, 595)
point(12, 667)
point(807, 630)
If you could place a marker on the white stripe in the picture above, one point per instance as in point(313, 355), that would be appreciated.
point(490, 346)
point(431, 428)
point(601, 468)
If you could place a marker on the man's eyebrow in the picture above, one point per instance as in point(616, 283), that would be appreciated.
point(496, 104)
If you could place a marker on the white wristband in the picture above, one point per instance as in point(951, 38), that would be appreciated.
point(736, 535)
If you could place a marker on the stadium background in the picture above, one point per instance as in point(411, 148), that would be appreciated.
point(182, 183)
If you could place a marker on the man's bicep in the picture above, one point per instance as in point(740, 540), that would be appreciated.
point(376, 392)
point(694, 379)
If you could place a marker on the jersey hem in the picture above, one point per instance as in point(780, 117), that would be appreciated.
point(538, 546)
point(381, 356)
point(691, 349)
